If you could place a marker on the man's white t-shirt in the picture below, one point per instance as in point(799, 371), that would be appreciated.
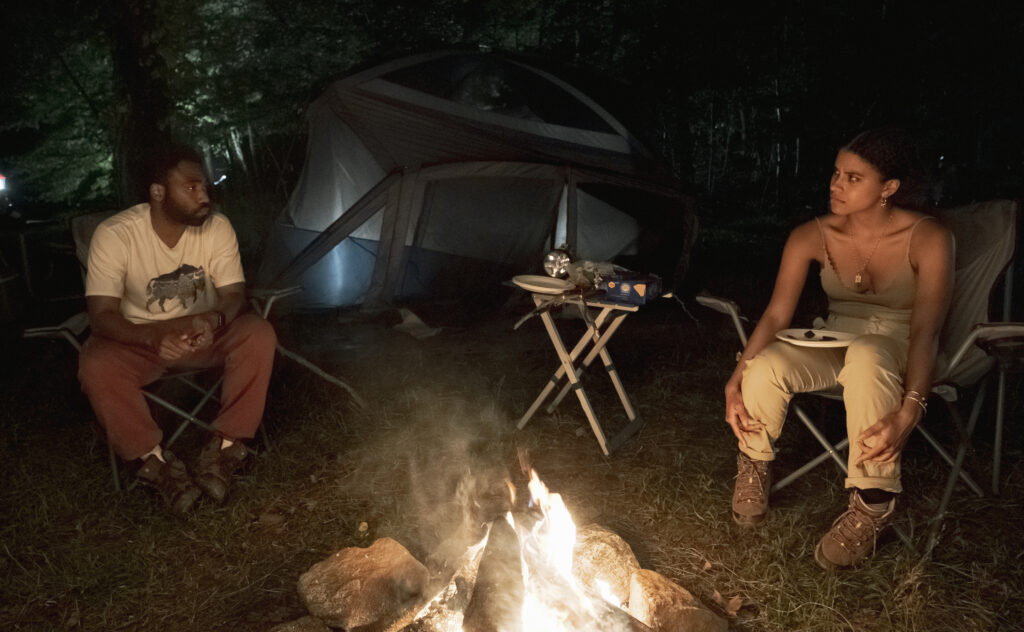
point(127, 260)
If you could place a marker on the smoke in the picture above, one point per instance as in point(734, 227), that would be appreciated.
point(443, 469)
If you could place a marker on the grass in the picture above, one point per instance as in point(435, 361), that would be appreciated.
point(440, 434)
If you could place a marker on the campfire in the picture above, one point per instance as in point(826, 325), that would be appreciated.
point(532, 572)
point(522, 578)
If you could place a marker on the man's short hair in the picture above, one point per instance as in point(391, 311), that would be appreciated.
point(166, 160)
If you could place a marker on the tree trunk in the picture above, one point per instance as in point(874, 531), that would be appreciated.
point(141, 93)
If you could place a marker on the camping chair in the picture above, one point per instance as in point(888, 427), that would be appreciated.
point(985, 236)
point(74, 331)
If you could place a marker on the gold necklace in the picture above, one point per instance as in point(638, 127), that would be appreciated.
point(859, 277)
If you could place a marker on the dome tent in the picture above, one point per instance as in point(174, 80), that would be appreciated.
point(441, 175)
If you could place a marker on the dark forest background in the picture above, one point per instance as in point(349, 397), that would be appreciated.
point(746, 101)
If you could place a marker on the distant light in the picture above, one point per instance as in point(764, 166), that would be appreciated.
point(220, 179)
point(3, 182)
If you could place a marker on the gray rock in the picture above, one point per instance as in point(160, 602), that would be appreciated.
point(668, 607)
point(601, 554)
point(356, 587)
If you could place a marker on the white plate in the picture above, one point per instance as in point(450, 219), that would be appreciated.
point(819, 337)
point(542, 284)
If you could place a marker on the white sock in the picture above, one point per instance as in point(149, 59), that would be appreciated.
point(158, 452)
point(226, 443)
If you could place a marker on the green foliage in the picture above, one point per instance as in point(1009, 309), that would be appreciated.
point(747, 103)
point(59, 98)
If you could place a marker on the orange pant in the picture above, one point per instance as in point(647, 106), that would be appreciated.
point(113, 375)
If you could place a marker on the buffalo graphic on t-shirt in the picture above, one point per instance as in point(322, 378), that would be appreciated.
point(183, 284)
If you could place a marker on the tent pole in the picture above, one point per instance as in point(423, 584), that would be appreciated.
point(571, 215)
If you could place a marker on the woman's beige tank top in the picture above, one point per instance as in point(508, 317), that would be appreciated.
point(891, 303)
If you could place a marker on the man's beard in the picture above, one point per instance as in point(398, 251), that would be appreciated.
point(182, 216)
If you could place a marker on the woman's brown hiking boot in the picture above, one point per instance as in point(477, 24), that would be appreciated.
point(750, 494)
point(852, 536)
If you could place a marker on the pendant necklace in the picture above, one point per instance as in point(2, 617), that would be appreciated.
point(859, 277)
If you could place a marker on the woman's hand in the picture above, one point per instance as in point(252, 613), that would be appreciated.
point(736, 414)
point(883, 441)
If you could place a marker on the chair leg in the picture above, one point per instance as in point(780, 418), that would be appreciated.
point(830, 451)
point(113, 468)
point(947, 493)
point(266, 439)
point(997, 449)
point(183, 414)
point(964, 476)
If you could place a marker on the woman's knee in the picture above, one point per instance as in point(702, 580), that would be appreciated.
point(872, 362)
point(871, 350)
point(765, 369)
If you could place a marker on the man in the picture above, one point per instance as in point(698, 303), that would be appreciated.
point(165, 288)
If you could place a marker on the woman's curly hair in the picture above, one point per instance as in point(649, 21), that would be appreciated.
point(893, 152)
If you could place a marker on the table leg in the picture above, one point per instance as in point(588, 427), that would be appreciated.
point(617, 381)
point(600, 349)
point(600, 340)
point(570, 373)
point(557, 377)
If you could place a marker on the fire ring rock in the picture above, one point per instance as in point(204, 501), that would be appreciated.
point(664, 605)
point(356, 587)
point(600, 554)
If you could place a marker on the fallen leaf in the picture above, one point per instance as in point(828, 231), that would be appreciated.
point(707, 565)
point(270, 519)
point(731, 606)
point(73, 620)
point(735, 603)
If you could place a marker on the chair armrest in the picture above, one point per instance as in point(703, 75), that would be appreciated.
point(996, 331)
point(263, 298)
point(725, 306)
point(986, 336)
point(1004, 342)
point(265, 293)
point(71, 330)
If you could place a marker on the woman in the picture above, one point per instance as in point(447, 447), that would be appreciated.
point(888, 274)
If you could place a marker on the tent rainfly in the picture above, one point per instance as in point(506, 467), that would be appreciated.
point(441, 175)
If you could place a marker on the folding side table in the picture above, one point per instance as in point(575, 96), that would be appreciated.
point(572, 363)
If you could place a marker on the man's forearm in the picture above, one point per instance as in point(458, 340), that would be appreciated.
point(230, 301)
point(115, 326)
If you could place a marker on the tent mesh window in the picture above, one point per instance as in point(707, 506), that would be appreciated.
point(499, 86)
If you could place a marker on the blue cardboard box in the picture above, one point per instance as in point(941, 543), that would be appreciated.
point(633, 289)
